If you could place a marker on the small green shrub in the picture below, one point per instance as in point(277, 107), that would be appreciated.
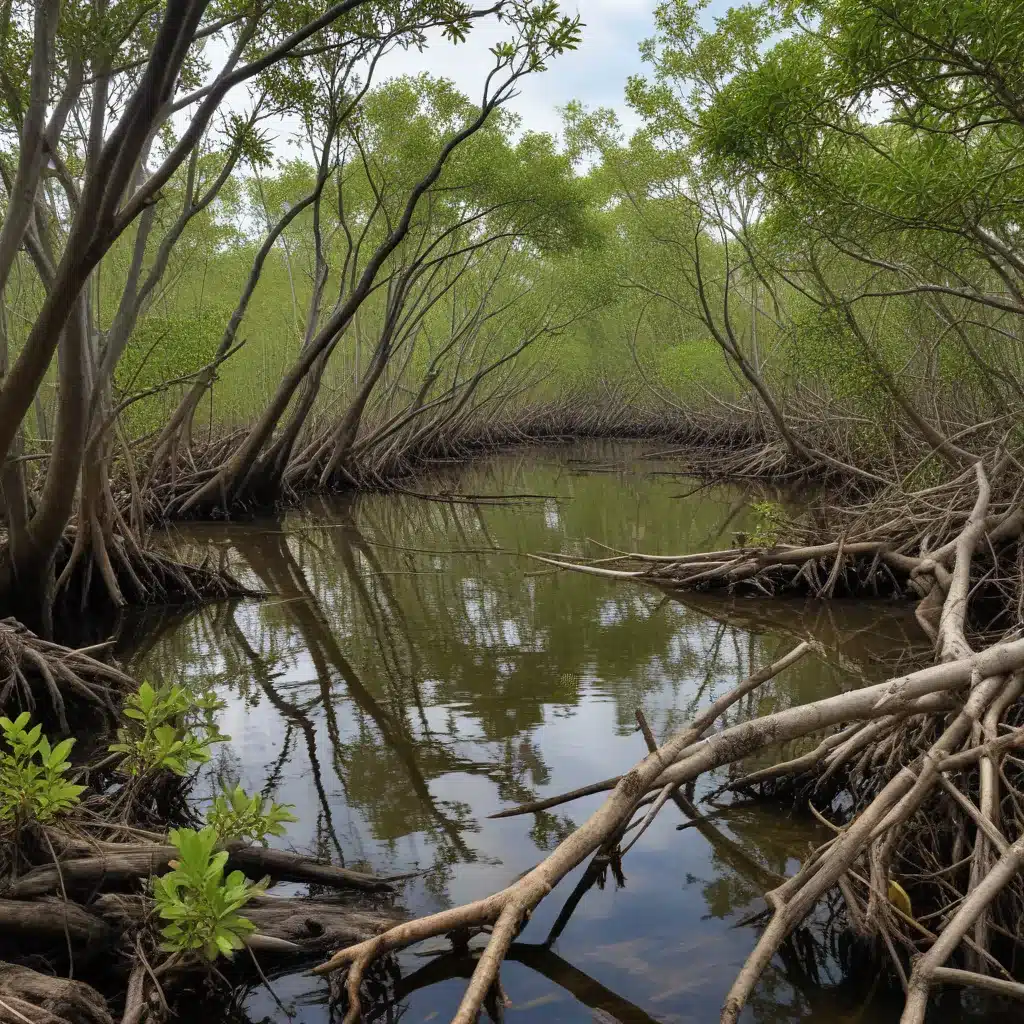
point(236, 815)
point(769, 520)
point(201, 905)
point(32, 774)
point(168, 727)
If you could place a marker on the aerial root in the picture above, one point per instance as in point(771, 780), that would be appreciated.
point(33, 670)
point(176, 484)
point(128, 571)
point(930, 790)
point(820, 570)
point(867, 559)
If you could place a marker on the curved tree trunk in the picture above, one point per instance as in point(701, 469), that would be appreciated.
point(27, 577)
point(226, 488)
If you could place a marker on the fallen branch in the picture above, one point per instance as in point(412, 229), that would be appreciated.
point(119, 864)
point(285, 926)
point(894, 696)
point(506, 911)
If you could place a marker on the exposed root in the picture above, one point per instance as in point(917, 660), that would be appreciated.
point(116, 864)
point(174, 485)
point(36, 674)
point(120, 570)
point(917, 777)
point(286, 927)
point(90, 901)
point(27, 995)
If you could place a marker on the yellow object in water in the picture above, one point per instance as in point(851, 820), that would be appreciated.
point(898, 898)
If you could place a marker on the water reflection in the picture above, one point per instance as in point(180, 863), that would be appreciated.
point(412, 673)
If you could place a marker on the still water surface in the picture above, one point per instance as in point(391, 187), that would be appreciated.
point(413, 673)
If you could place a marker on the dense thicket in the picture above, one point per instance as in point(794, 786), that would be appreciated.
point(126, 170)
point(812, 235)
point(827, 192)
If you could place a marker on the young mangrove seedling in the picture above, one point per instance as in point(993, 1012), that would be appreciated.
point(32, 774)
point(236, 815)
point(201, 905)
point(168, 727)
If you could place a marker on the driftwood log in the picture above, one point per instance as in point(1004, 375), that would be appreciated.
point(68, 907)
point(27, 995)
point(52, 922)
point(285, 926)
point(118, 864)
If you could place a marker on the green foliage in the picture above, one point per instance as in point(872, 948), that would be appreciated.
point(862, 146)
point(236, 815)
point(163, 348)
point(32, 774)
point(863, 162)
point(770, 520)
point(821, 345)
point(168, 728)
point(693, 363)
point(201, 905)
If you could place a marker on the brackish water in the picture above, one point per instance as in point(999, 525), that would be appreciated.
point(413, 673)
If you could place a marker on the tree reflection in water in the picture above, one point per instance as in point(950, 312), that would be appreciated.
point(411, 674)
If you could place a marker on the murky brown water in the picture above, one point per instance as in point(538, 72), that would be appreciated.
point(413, 673)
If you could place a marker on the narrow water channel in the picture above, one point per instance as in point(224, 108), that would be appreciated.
point(414, 672)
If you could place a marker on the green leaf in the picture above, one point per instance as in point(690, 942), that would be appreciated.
point(61, 751)
point(196, 900)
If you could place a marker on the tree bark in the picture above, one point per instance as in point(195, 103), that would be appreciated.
point(42, 999)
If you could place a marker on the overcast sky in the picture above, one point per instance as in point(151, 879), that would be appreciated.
point(595, 74)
